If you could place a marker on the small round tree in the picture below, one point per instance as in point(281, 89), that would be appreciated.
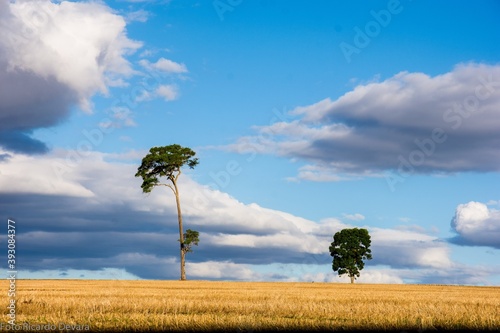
point(348, 249)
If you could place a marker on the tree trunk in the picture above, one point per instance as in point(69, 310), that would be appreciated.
point(352, 279)
point(181, 232)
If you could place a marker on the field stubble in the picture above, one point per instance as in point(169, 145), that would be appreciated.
point(253, 306)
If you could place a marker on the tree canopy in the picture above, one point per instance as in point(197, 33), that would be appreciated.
point(348, 249)
point(164, 162)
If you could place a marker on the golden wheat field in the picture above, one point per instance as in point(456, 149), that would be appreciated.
point(251, 306)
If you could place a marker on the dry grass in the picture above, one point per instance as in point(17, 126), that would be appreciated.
point(248, 306)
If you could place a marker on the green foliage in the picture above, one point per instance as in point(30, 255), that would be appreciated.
point(191, 237)
point(348, 249)
point(164, 162)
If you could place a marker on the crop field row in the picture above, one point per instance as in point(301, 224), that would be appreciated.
point(252, 306)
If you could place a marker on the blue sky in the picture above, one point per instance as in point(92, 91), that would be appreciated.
point(306, 117)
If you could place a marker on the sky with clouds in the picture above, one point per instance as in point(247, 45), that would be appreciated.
point(307, 118)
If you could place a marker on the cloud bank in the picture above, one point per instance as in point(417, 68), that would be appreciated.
point(408, 123)
point(90, 215)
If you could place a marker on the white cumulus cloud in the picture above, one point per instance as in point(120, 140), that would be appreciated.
point(54, 55)
point(165, 65)
point(477, 224)
point(354, 217)
point(169, 92)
